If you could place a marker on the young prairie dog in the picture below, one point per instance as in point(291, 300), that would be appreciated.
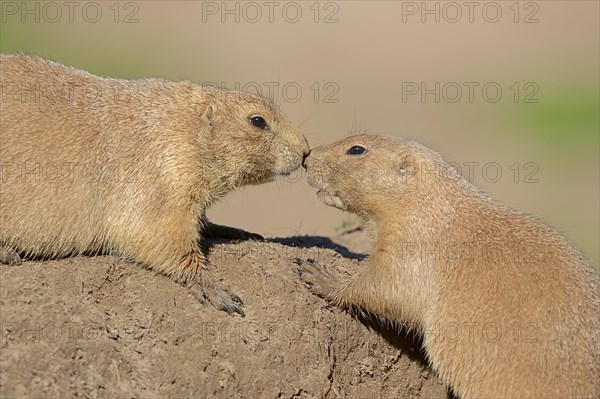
point(92, 164)
point(507, 307)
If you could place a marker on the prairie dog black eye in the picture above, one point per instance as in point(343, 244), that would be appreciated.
point(356, 150)
point(259, 122)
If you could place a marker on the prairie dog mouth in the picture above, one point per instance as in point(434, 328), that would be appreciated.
point(283, 173)
point(330, 198)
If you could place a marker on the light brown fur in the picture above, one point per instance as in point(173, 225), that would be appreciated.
point(92, 164)
point(506, 306)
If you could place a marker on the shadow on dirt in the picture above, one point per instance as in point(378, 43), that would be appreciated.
point(408, 342)
point(317, 242)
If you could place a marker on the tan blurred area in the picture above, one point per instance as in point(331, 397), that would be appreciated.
point(507, 90)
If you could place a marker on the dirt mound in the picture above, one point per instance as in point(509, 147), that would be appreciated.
point(102, 327)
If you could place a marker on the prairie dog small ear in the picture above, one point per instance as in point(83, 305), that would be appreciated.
point(208, 116)
point(406, 165)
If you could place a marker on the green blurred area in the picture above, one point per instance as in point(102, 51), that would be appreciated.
point(568, 115)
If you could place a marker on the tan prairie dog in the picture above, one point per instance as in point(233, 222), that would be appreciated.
point(506, 306)
point(92, 164)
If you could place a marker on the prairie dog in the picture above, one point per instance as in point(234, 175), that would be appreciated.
point(92, 164)
point(507, 307)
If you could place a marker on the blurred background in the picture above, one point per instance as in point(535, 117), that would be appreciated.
point(508, 91)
